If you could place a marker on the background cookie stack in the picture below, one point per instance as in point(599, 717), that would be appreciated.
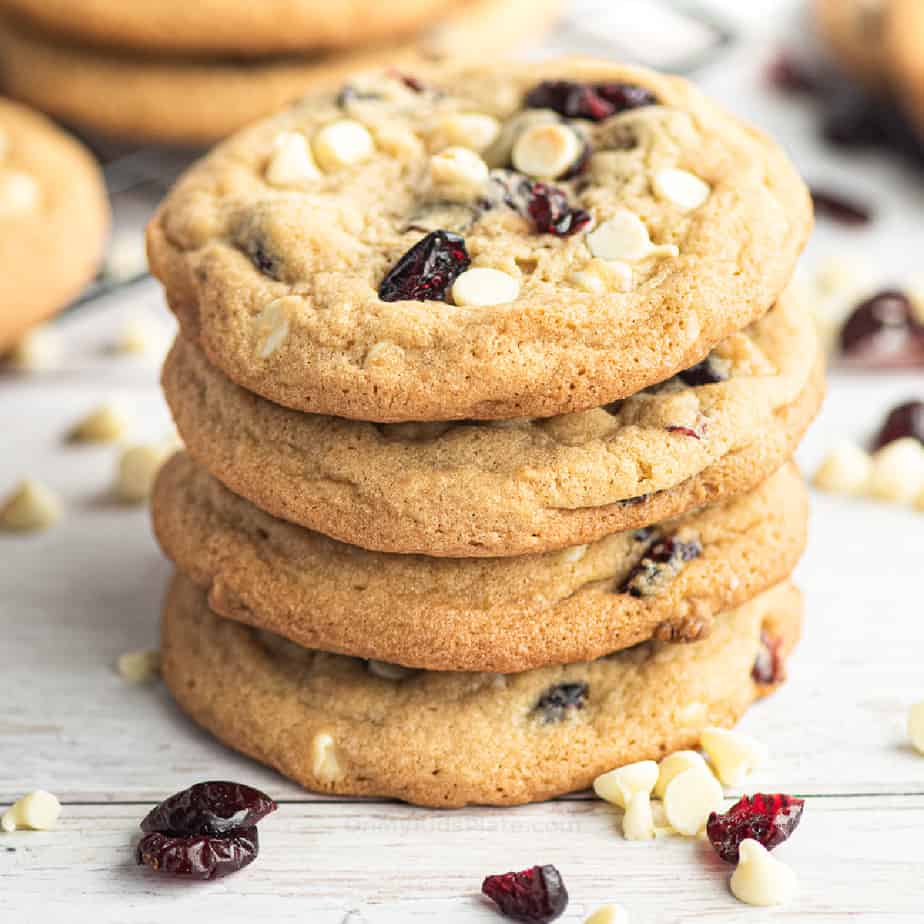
point(489, 384)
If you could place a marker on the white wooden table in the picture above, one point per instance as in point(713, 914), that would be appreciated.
point(74, 598)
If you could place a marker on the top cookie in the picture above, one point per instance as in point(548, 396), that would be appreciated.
point(527, 241)
point(242, 27)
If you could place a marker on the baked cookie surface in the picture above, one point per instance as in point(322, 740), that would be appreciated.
point(493, 487)
point(356, 256)
point(54, 218)
point(447, 739)
point(197, 101)
point(500, 614)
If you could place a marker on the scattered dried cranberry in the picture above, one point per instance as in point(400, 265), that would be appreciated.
point(588, 101)
point(662, 561)
point(209, 808)
point(427, 270)
point(534, 895)
point(905, 420)
point(882, 332)
point(555, 703)
point(789, 74)
point(768, 665)
point(769, 819)
point(198, 856)
point(841, 209)
point(551, 212)
point(706, 372)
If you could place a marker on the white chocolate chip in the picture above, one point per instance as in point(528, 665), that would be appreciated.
point(139, 336)
point(482, 286)
point(638, 822)
point(619, 785)
point(684, 189)
point(457, 174)
point(598, 276)
point(37, 811)
point(733, 755)
point(39, 348)
point(139, 666)
point(137, 468)
point(625, 238)
point(19, 193)
point(272, 326)
point(388, 671)
point(589, 282)
point(573, 555)
point(397, 141)
point(845, 470)
point(380, 353)
point(676, 763)
point(342, 144)
point(690, 798)
point(916, 726)
point(498, 154)
point(127, 258)
point(761, 879)
point(898, 471)
point(547, 151)
point(662, 827)
point(31, 506)
point(291, 163)
point(472, 130)
point(609, 914)
point(104, 424)
point(324, 763)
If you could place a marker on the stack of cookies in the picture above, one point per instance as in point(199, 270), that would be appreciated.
point(193, 72)
point(489, 384)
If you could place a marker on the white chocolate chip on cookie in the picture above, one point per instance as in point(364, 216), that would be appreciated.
point(342, 144)
point(482, 286)
point(19, 193)
point(690, 798)
point(619, 785)
point(324, 763)
point(37, 811)
point(31, 506)
point(472, 130)
point(272, 326)
point(733, 755)
point(547, 151)
point(625, 238)
point(761, 879)
point(137, 468)
point(457, 174)
point(104, 424)
point(291, 163)
point(682, 188)
point(676, 763)
point(897, 472)
point(845, 470)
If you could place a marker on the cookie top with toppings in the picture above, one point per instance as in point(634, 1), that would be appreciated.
point(498, 614)
point(479, 244)
point(342, 725)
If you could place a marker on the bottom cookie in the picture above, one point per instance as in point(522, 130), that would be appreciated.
point(342, 725)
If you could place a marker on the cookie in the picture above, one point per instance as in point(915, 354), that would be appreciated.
point(854, 32)
point(238, 27)
point(490, 487)
point(905, 41)
point(54, 218)
point(197, 101)
point(447, 739)
point(320, 257)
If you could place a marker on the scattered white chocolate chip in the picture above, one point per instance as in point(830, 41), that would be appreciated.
point(916, 726)
point(662, 827)
point(897, 472)
point(388, 671)
point(139, 666)
point(31, 506)
point(457, 174)
point(690, 798)
point(126, 258)
point(845, 470)
point(482, 286)
point(619, 785)
point(473, 130)
point(104, 424)
point(676, 763)
point(324, 763)
point(291, 163)
point(684, 189)
point(609, 914)
point(19, 193)
point(37, 811)
point(342, 144)
point(638, 822)
point(138, 336)
point(761, 879)
point(733, 755)
point(547, 151)
point(137, 468)
point(39, 348)
point(272, 326)
point(625, 238)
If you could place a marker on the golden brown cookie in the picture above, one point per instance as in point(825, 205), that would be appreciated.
point(855, 33)
point(198, 101)
point(487, 614)
point(905, 40)
point(54, 218)
point(338, 725)
point(311, 256)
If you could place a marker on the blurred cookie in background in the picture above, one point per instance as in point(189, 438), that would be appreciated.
point(196, 101)
point(854, 32)
point(905, 40)
point(54, 219)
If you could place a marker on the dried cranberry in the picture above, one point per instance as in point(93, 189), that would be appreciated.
point(661, 562)
point(262, 259)
point(905, 420)
point(198, 856)
point(789, 74)
point(588, 101)
point(533, 895)
point(769, 819)
point(768, 665)
point(556, 702)
point(551, 213)
point(427, 270)
point(209, 808)
point(706, 372)
point(839, 208)
point(882, 332)
point(686, 431)
point(411, 82)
